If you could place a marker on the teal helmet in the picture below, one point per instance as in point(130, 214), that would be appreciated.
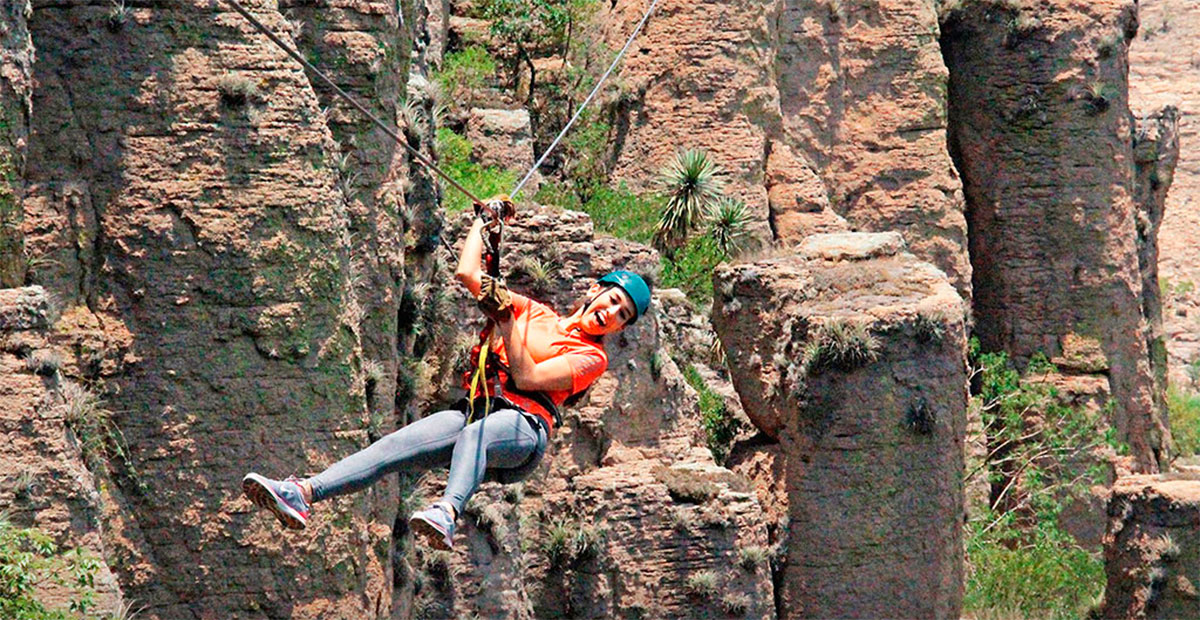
point(634, 286)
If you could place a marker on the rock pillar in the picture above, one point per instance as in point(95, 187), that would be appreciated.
point(852, 355)
point(1041, 131)
point(1152, 548)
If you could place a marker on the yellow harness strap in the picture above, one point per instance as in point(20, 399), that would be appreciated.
point(478, 380)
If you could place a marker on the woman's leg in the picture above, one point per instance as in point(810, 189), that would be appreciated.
point(504, 439)
point(426, 443)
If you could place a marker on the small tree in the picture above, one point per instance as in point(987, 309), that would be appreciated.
point(528, 26)
point(690, 184)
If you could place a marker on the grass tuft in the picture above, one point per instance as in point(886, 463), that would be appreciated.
point(736, 604)
point(843, 345)
point(750, 558)
point(704, 584)
point(1183, 411)
point(236, 90)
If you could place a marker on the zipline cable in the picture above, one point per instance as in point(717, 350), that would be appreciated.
point(341, 93)
point(586, 101)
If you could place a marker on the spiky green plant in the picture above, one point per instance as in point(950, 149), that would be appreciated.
point(542, 272)
point(729, 224)
point(704, 584)
point(411, 115)
point(690, 183)
point(844, 345)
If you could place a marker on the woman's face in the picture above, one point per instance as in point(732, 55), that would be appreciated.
point(609, 312)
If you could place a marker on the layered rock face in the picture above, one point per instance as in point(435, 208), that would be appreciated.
point(184, 197)
point(1164, 70)
point(1152, 548)
point(852, 354)
point(831, 116)
point(47, 434)
point(1042, 135)
point(16, 86)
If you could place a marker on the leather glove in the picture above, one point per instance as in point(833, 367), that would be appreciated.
point(494, 299)
point(497, 208)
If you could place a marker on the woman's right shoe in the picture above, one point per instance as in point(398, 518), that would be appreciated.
point(282, 497)
point(435, 524)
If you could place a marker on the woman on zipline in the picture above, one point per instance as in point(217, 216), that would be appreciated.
point(543, 359)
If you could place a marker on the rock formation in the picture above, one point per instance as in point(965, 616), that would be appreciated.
point(851, 355)
point(183, 193)
point(1164, 70)
point(1152, 548)
point(49, 429)
point(16, 86)
point(1054, 229)
point(830, 111)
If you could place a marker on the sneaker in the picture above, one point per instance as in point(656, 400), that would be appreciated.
point(435, 524)
point(282, 497)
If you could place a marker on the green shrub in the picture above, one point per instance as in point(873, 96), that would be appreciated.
point(483, 181)
point(692, 268)
point(465, 72)
point(1048, 577)
point(1183, 410)
point(719, 424)
point(614, 211)
point(1020, 563)
point(28, 558)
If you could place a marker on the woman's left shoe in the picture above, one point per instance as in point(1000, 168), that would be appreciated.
point(282, 497)
point(435, 524)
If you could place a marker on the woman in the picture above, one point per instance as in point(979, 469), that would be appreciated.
point(543, 357)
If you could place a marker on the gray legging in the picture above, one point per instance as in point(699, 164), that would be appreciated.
point(508, 441)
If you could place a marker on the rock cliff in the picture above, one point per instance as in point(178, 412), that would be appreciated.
point(1151, 547)
point(1164, 70)
point(830, 116)
point(249, 276)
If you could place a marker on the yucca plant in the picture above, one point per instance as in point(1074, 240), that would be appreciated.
point(690, 184)
point(728, 224)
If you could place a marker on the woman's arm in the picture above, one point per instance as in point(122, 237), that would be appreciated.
point(470, 258)
point(553, 374)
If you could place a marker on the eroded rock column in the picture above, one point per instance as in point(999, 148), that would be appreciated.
point(852, 355)
point(183, 191)
point(1041, 131)
point(1152, 548)
point(16, 84)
